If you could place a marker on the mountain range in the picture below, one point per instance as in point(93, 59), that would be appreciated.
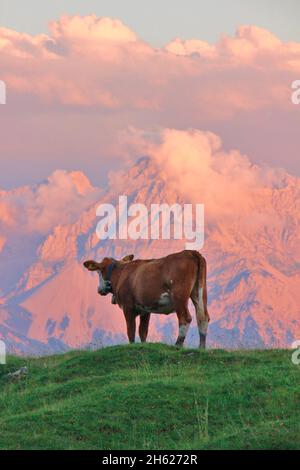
point(49, 302)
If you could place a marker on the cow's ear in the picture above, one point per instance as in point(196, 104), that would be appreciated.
point(91, 265)
point(127, 258)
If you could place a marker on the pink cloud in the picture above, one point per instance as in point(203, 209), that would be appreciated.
point(82, 33)
point(37, 209)
point(191, 47)
point(195, 165)
point(91, 78)
point(251, 45)
point(101, 62)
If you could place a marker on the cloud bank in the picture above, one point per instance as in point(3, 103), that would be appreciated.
point(195, 164)
point(80, 86)
point(90, 61)
point(38, 209)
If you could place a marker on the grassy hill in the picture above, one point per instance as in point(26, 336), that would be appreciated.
point(152, 397)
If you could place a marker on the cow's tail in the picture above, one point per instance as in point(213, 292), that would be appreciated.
point(201, 280)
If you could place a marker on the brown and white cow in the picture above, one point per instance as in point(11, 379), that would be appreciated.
point(163, 285)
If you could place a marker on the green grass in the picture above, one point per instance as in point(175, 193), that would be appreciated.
point(152, 397)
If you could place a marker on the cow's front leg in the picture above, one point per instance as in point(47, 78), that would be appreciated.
point(144, 325)
point(131, 325)
point(184, 320)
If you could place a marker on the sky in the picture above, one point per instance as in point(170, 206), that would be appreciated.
point(160, 21)
point(85, 91)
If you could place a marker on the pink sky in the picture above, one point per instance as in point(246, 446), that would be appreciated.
point(76, 95)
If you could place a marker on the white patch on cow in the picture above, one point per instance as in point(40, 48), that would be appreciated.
point(202, 321)
point(101, 281)
point(164, 304)
point(203, 327)
point(183, 329)
point(164, 296)
point(201, 304)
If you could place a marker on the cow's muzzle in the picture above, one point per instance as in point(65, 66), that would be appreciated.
point(106, 289)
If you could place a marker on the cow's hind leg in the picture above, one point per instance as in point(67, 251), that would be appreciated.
point(143, 328)
point(201, 313)
point(184, 320)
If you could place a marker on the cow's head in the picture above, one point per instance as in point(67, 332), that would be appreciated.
point(104, 270)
